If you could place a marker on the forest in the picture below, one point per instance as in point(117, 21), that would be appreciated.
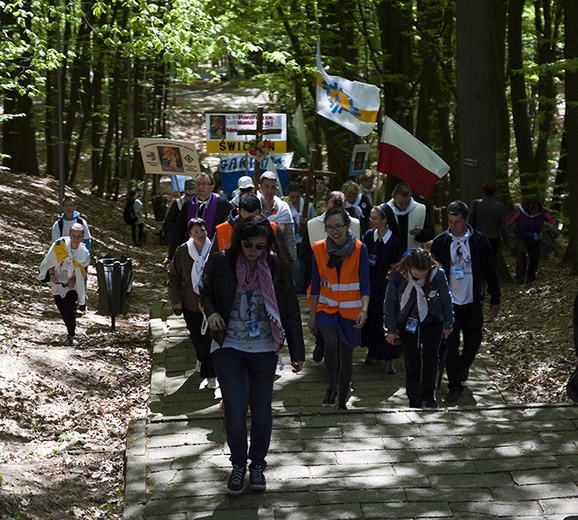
point(490, 85)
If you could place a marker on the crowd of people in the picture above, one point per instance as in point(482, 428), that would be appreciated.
point(375, 275)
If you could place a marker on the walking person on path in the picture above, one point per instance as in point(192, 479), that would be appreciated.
point(184, 280)
point(418, 311)
point(488, 216)
point(384, 249)
point(65, 267)
point(69, 216)
point(251, 306)
point(529, 218)
point(339, 300)
point(468, 259)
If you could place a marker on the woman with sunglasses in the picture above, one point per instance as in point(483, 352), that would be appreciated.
point(251, 306)
point(418, 310)
point(339, 299)
point(384, 249)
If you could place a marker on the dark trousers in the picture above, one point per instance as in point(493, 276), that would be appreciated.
point(201, 343)
point(137, 233)
point(527, 259)
point(236, 369)
point(67, 308)
point(420, 354)
point(338, 363)
point(468, 321)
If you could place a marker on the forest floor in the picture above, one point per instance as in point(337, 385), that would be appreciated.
point(64, 410)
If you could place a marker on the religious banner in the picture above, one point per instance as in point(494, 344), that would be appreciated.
point(234, 166)
point(231, 133)
point(351, 104)
point(169, 156)
point(359, 160)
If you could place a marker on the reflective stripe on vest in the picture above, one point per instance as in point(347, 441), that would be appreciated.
point(339, 293)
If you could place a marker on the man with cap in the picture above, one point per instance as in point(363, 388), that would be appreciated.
point(244, 185)
point(277, 210)
point(203, 204)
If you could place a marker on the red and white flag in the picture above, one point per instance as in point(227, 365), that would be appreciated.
point(407, 158)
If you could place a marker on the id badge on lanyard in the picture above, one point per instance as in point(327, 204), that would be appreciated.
point(251, 324)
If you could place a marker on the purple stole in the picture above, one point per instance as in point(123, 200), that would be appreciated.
point(208, 215)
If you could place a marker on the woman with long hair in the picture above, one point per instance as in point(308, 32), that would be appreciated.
point(339, 299)
point(251, 306)
point(418, 310)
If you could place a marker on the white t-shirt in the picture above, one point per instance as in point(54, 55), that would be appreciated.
point(461, 276)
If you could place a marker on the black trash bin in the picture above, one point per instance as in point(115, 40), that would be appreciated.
point(114, 284)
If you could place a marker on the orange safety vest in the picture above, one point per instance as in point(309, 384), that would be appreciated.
point(225, 232)
point(338, 293)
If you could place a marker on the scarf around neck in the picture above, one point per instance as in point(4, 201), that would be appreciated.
point(338, 253)
point(198, 262)
point(260, 278)
point(421, 300)
point(398, 212)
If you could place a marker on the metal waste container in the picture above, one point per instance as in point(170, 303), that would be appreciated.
point(114, 284)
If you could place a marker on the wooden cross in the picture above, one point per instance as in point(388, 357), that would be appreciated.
point(258, 133)
point(311, 174)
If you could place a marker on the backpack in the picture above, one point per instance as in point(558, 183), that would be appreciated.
point(61, 223)
point(128, 214)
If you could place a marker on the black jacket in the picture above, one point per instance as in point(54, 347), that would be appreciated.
point(483, 265)
point(218, 294)
point(180, 229)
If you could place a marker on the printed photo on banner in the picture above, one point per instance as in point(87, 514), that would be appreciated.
point(222, 132)
point(359, 160)
point(169, 156)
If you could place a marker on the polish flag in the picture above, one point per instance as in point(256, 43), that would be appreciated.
point(408, 159)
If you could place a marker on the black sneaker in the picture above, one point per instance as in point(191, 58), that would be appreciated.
point(431, 403)
point(318, 352)
point(330, 397)
point(454, 395)
point(235, 485)
point(257, 478)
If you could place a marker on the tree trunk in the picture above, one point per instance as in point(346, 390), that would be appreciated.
point(571, 124)
point(474, 99)
point(522, 133)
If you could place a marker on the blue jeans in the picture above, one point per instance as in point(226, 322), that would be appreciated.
point(245, 375)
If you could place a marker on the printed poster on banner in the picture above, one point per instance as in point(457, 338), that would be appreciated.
point(169, 156)
point(222, 132)
point(234, 166)
point(359, 160)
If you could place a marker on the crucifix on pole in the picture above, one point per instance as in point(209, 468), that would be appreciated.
point(311, 174)
point(259, 133)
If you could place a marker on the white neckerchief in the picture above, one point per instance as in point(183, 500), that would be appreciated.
point(412, 284)
point(385, 238)
point(411, 206)
point(355, 206)
point(198, 261)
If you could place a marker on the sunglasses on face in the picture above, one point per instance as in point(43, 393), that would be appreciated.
point(337, 227)
point(250, 245)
